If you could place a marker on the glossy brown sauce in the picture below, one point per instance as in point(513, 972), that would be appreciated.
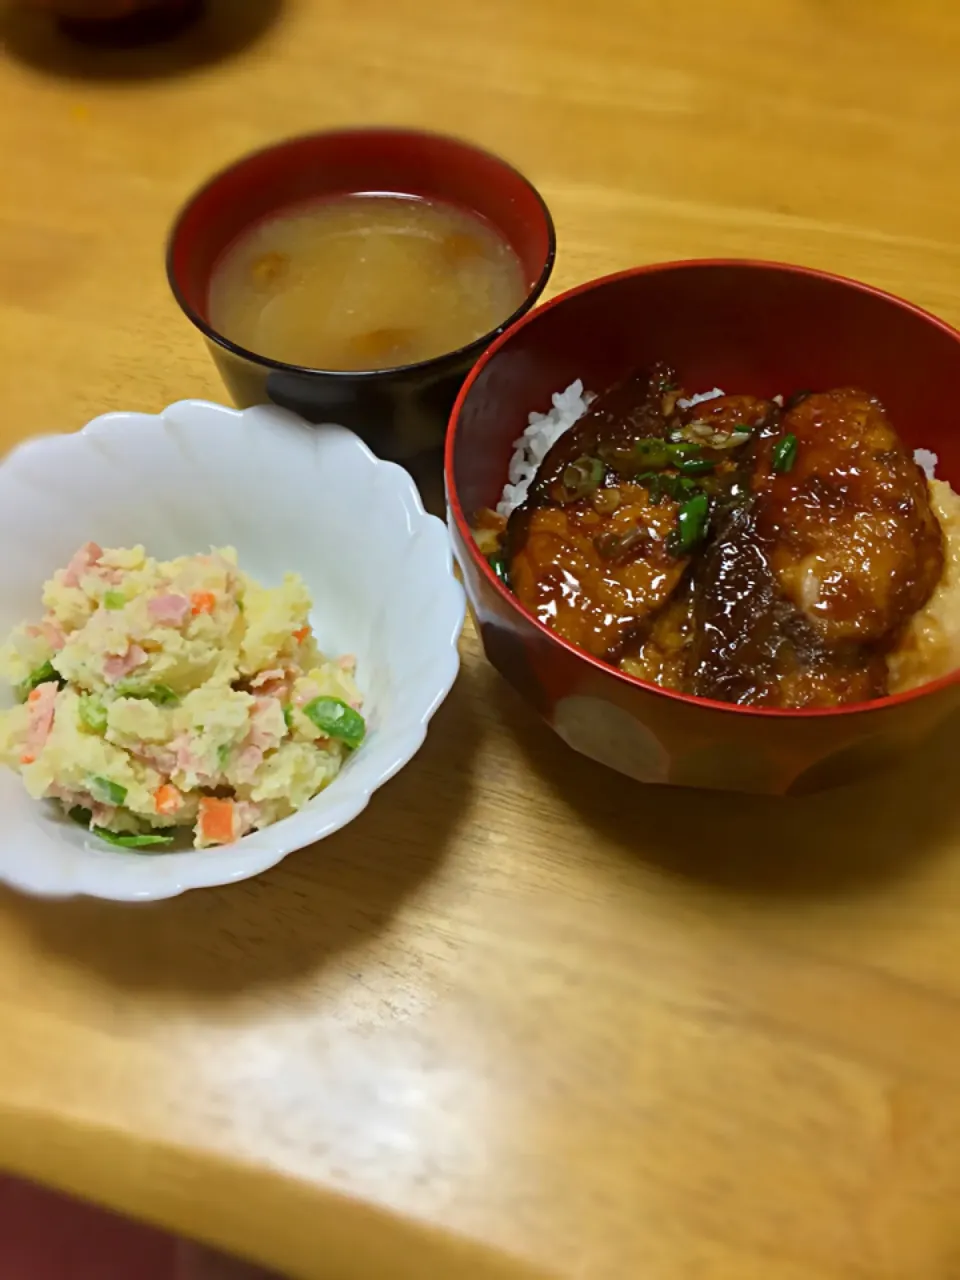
point(736, 549)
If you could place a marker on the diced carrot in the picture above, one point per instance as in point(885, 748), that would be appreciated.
point(35, 694)
point(301, 635)
point(27, 758)
point(216, 820)
point(167, 799)
point(202, 602)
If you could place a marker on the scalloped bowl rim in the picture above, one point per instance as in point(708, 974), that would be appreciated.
point(260, 850)
point(463, 527)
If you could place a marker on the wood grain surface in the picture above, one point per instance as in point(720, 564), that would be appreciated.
point(522, 1017)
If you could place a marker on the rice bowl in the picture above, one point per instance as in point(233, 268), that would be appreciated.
point(714, 319)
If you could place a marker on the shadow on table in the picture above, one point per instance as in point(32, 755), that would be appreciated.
point(840, 841)
point(225, 29)
point(289, 922)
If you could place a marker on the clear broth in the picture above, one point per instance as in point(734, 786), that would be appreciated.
point(365, 282)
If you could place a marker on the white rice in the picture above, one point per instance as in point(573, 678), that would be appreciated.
point(569, 406)
point(541, 435)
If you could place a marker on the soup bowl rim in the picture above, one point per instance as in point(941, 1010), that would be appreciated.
point(454, 355)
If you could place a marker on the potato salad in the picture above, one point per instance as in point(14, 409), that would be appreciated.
point(155, 697)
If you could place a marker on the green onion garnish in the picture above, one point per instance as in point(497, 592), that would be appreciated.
point(696, 466)
point(105, 791)
point(114, 600)
point(40, 675)
point(660, 486)
point(159, 694)
point(288, 717)
point(691, 523)
point(785, 453)
point(131, 841)
point(93, 714)
point(333, 717)
point(580, 479)
point(499, 567)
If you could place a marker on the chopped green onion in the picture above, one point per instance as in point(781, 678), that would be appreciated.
point(114, 600)
point(333, 717)
point(43, 674)
point(696, 466)
point(288, 717)
point(83, 816)
point(643, 455)
point(785, 453)
point(223, 754)
point(681, 449)
point(499, 566)
point(159, 694)
point(131, 841)
point(105, 791)
point(653, 454)
point(691, 523)
point(93, 714)
point(660, 486)
point(581, 478)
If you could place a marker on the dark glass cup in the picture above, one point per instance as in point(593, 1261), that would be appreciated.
point(401, 412)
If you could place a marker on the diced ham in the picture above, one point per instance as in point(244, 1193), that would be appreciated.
point(266, 724)
point(264, 678)
point(53, 633)
point(247, 816)
point(68, 798)
point(84, 559)
point(159, 758)
point(247, 763)
point(185, 759)
point(50, 631)
point(116, 668)
point(170, 610)
point(42, 704)
point(274, 683)
point(266, 731)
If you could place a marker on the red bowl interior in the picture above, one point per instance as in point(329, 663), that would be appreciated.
point(322, 165)
point(757, 327)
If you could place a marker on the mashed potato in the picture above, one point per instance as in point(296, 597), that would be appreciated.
point(930, 647)
point(156, 696)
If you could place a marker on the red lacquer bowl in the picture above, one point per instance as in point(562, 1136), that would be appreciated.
point(756, 327)
point(403, 411)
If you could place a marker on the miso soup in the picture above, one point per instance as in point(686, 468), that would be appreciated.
point(365, 282)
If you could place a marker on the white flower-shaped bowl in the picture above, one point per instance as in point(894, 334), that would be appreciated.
point(289, 497)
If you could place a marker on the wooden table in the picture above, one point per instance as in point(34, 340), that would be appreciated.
point(522, 1017)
